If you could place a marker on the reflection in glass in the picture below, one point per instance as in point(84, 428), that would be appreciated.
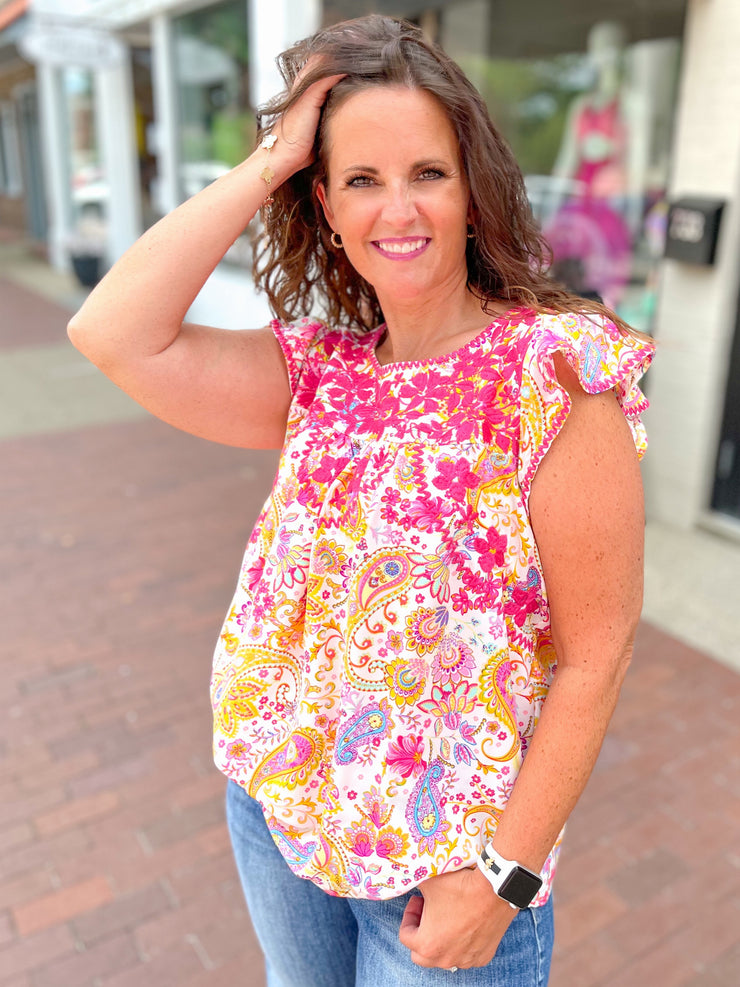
point(592, 134)
point(89, 185)
point(217, 125)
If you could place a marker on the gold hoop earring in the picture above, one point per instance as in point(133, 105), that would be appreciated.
point(471, 236)
point(336, 243)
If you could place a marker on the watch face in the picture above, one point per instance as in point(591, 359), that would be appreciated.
point(520, 887)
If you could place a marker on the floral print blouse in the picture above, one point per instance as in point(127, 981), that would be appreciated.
point(387, 652)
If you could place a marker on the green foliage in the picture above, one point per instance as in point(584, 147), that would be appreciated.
point(233, 137)
point(529, 102)
point(223, 25)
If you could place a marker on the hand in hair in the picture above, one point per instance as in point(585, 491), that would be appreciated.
point(296, 128)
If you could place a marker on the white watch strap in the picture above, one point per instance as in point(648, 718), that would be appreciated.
point(496, 869)
point(494, 866)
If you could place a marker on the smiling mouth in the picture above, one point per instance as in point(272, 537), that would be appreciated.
point(407, 247)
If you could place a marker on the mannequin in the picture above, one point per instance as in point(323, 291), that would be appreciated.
point(596, 211)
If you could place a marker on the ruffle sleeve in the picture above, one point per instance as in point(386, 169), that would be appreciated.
point(603, 358)
point(296, 340)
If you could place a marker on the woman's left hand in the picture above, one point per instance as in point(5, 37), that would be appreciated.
point(458, 922)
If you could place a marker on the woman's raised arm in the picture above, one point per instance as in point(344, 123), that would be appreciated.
point(231, 387)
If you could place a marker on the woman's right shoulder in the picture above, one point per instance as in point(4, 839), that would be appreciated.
point(311, 341)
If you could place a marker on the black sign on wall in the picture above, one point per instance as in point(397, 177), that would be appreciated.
point(693, 230)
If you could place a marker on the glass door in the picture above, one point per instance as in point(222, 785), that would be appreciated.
point(726, 495)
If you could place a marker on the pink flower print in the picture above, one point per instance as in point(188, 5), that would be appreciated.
point(382, 460)
point(407, 756)
point(491, 550)
point(451, 703)
point(390, 500)
point(237, 749)
point(387, 404)
point(289, 558)
point(461, 601)
point(377, 810)
point(325, 471)
point(391, 843)
point(428, 513)
point(394, 642)
point(425, 627)
point(523, 599)
point(244, 616)
point(467, 734)
point(452, 660)
point(253, 575)
point(360, 837)
point(463, 754)
point(456, 477)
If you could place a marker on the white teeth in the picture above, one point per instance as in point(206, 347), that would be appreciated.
point(401, 248)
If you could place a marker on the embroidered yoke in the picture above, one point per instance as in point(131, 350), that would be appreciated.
point(387, 652)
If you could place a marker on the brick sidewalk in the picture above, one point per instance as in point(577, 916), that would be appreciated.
point(120, 546)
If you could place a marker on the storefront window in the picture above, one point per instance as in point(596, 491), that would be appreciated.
point(726, 494)
point(592, 132)
point(217, 125)
point(89, 185)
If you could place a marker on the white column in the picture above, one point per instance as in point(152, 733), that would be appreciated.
point(696, 313)
point(273, 27)
point(55, 142)
point(164, 86)
point(116, 126)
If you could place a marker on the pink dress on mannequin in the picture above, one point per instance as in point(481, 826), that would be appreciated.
point(588, 231)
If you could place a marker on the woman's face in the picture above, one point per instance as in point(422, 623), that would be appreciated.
point(396, 192)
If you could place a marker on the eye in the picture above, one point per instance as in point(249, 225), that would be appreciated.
point(359, 181)
point(430, 173)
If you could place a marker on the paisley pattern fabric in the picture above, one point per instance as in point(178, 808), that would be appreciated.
point(387, 652)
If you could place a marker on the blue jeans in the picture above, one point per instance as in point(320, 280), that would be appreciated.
point(312, 939)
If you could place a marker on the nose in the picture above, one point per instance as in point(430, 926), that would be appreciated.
point(399, 208)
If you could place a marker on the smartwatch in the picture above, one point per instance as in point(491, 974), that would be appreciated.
point(515, 884)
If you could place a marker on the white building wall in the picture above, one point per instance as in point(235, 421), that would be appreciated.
point(273, 28)
point(696, 314)
point(116, 127)
point(56, 163)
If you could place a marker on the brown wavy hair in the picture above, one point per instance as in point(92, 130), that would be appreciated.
point(294, 262)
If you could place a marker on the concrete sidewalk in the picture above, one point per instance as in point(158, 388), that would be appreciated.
point(121, 540)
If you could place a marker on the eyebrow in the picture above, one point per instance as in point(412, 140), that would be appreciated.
point(426, 163)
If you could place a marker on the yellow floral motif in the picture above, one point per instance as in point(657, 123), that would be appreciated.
point(404, 683)
point(425, 629)
point(328, 557)
point(231, 643)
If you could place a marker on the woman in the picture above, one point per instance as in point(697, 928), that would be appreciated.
point(458, 434)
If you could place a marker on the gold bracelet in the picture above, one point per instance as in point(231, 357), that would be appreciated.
point(267, 174)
